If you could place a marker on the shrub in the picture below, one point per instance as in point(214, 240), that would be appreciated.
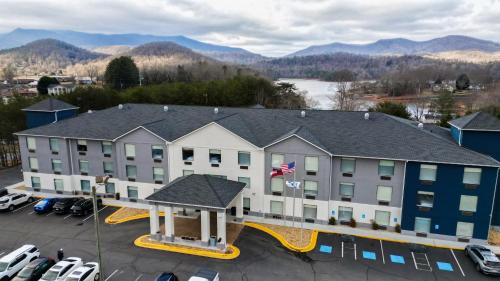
point(397, 228)
point(332, 221)
point(352, 223)
point(375, 225)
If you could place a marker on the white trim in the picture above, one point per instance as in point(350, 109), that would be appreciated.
point(41, 110)
point(295, 135)
point(180, 204)
point(135, 129)
point(463, 129)
point(215, 123)
point(493, 205)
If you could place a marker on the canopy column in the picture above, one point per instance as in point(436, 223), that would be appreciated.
point(205, 226)
point(154, 221)
point(221, 228)
point(169, 223)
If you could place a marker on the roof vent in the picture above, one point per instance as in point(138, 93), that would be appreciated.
point(303, 113)
point(367, 116)
point(120, 106)
point(165, 108)
point(216, 110)
point(90, 111)
point(420, 125)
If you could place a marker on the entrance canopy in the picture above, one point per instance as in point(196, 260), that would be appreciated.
point(198, 191)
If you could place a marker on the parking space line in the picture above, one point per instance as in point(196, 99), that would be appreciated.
point(428, 263)
point(355, 254)
point(49, 214)
point(67, 216)
point(111, 275)
point(31, 213)
point(23, 207)
point(93, 214)
point(382, 251)
point(456, 260)
point(138, 277)
point(414, 261)
point(342, 249)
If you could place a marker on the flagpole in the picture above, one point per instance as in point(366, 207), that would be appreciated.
point(284, 202)
point(293, 212)
point(302, 216)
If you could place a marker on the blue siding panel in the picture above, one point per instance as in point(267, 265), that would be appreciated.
point(40, 118)
point(447, 189)
point(455, 133)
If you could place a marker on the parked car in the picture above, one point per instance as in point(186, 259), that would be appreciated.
point(167, 276)
point(84, 207)
point(3, 191)
point(13, 262)
point(63, 205)
point(484, 259)
point(62, 269)
point(11, 201)
point(45, 205)
point(205, 275)
point(87, 272)
point(34, 270)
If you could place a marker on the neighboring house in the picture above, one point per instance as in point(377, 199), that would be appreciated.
point(83, 80)
point(59, 89)
point(370, 167)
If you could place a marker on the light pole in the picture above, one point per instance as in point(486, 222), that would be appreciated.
point(100, 180)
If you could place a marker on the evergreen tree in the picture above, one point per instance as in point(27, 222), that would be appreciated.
point(121, 73)
point(392, 108)
point(462, 82)
point(44, 83)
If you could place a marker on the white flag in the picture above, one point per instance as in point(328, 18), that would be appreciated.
point(293, 184)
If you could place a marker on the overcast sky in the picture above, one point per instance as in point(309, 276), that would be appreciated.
point(269, 27)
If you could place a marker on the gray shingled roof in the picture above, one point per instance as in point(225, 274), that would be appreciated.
point(477, 121)
point(199, 190)
point(341, 133)
point(50, 105)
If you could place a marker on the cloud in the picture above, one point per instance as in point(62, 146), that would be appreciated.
point(272, 28)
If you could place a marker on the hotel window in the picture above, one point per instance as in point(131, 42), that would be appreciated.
point(54, 145)
point(277, 160)
point(422, 225)
point(81, 145)
point(35, 182)
point(346, 190)
point(277, 185)
point(246, 203)
point(187, 172)
point(31, 142)
point(277, 208)
point(110, 187)
point(382, 217)
point(107, 167)
point(468, 203)
point(33, 164)
point(85, 186)
point(425, 199)
point(311, 164)
point(243, 158)
point(428, 172)
point(130, 151)
point(347, 166)
point(245, 180)
point(187, 154)
point(384, 194)
point(219, 176)
point(56, 165)
point(158, 175)
point(58, 184)
point(345, 213)
point(132, 192)
point(157, 152)
point(84, 166)
point(107, 147)
point(386, 168)
point(214, 156)
point(131, 172)
point(465, 229)
point(472, 176)
point(310, 212)
point(311, 188)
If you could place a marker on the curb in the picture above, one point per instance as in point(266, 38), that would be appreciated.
point(188, 251)
point(283, 241)
point(110, 220)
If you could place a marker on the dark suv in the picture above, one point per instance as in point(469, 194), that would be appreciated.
point(63, 206)
point(84, 207)
point(34, 270)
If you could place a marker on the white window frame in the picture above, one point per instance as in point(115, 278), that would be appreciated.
point(156, 175)
point(80, 162)
point(425, 193)
point(271, 203)
point(468, 199)
point(282, 181)
point(378, 219)
point(427, 220)
point(157, 156)
point(245, 180)
point(380, 193)
point(308, 206)
point(130, 150)
point(469, 226)
point(132, 188)
point(214, 152)
point(31, 143)
point(311, 191)
point(126, 171)
point(56, 181)
point(342, 167)
point(33, 162)
point(249, 158)
point(38, 184)
point(343, 209)
point(275, 158)
point(386, 163)
point(346, 184)
point(431, 169)
point(470, 170)
point(105, 145)
point(311, 161)
point(54, 163)
point(54, 145)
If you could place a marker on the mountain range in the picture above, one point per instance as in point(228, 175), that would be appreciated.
point(401, 46)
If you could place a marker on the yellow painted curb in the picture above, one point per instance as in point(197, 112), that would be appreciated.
point(235, 252)
point(110, 220)
point(283, 241)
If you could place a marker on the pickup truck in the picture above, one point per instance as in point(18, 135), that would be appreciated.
point(205, 275)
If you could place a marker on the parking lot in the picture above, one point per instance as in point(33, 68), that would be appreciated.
point(262, 257)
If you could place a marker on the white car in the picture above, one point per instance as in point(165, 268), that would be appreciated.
point(11, 201)
point(87, 272)
point(205, 275)
point(62, 269)
point(13, 262)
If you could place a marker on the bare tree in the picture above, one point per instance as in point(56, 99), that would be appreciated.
point(344, 92)
point(420, 104)
point(8, 73)
point(92, 72)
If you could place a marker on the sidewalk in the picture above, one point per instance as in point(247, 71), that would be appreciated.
point(374, 234)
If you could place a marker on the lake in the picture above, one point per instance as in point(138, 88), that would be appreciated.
point(315, 89)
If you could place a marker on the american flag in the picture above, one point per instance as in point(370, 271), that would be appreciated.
point(288, 168)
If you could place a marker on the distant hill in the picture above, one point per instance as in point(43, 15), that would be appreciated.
point(401, 46)
point(112, 50)
point(20, 37)
point(46, 56)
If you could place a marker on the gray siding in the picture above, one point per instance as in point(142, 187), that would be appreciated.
point(44, 155)
point(95, 157)
point(295, 149)
point(366, 180)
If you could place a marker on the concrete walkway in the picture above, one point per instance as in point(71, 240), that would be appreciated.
point(9, 176)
